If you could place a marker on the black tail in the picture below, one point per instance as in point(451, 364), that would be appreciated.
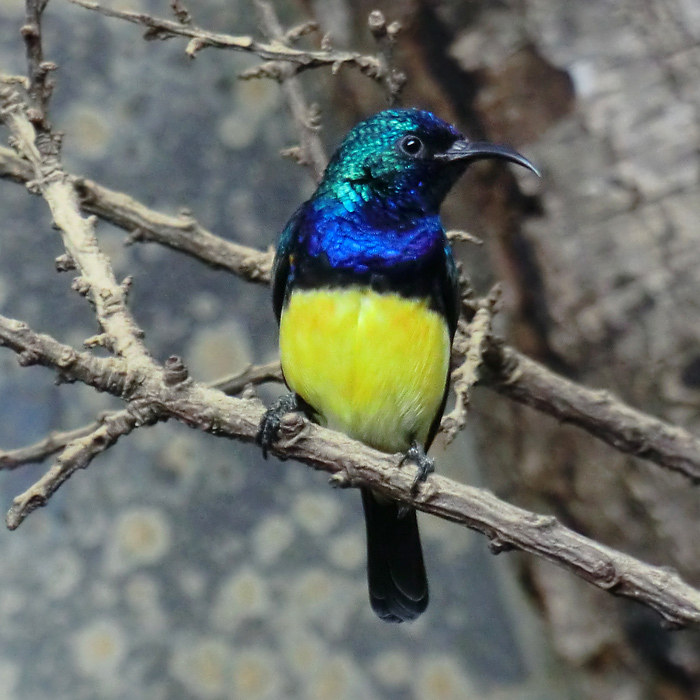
point(398, 586)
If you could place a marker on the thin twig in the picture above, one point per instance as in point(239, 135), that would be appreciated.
point(183, 232)
point(13, 167)
point(40, 87)
point(385, 36)
point(250, 376)
point(466, 375)
point(305, 118)
point(181, 13)
point(158, 28)
point(39, 451)
point(77, 454)
point(41, 148)
point(456, 236)
point(103, 374)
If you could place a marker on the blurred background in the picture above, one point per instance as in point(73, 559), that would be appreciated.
point(179, 566)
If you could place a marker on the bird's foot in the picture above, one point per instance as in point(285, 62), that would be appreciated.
point(425, 464)
point(272, 420)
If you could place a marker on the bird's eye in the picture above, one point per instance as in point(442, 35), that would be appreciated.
point(411, 145)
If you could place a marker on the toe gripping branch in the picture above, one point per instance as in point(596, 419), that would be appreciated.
point(272, 419)
point(425, 464)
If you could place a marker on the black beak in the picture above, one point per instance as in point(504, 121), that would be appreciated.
point(479, 150)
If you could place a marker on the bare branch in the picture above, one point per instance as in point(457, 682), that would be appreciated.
point(77, 455)
point(96, 280)
point(82, 446)
point(14, 168)
point(354, 464)
point(305, 118)
point(250, 376)
point(455, 236)
point(385, 35)
point(467, 374)
point(39, 451)
point(40, 87)
point(158, 28)
point(598, 412)
point(180, 11)
point(181, 232)
point(104, 374)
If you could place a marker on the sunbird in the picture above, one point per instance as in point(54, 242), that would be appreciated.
point(365, 290)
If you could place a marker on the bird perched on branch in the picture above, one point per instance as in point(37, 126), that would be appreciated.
point(365, 291)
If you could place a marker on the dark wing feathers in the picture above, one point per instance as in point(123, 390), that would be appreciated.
point(281, 268)
point(449, 294)
point(449, 283)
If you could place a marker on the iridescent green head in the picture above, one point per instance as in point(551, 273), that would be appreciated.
point(405, 158)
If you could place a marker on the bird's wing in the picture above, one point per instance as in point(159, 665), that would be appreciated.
point(448, 281)
point(449, 288)
point(282, 265)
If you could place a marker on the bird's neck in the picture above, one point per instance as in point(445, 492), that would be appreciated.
point(386, 203)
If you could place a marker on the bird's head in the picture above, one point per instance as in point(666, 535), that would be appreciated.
point(408, 158)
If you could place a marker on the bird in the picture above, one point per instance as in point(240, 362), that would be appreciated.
point(365, 291)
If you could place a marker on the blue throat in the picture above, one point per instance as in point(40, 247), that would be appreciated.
point(368, 235)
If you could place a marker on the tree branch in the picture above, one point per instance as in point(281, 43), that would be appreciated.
point(42, 149)
point(39, 451)
point(158, 28)
point(253, 375)
point(506, 370)
point(77, 454)
point(467, 374)
point(40, 87)
point(311, 152)
point(385, 35)
point(182, 233)
point(12, 167)
point(250, 376)
point(598, 412)
point(104, 374)
point(355, 464)
point(155, 393)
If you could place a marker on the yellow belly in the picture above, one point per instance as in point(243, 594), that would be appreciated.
point(373, 366)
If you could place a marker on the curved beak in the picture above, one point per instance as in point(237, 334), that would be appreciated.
point(479, 150)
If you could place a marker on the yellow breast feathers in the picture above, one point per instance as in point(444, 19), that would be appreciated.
point(373, 366)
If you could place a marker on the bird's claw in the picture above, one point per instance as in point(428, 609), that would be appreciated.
point(425, 464)
point(272, 420)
